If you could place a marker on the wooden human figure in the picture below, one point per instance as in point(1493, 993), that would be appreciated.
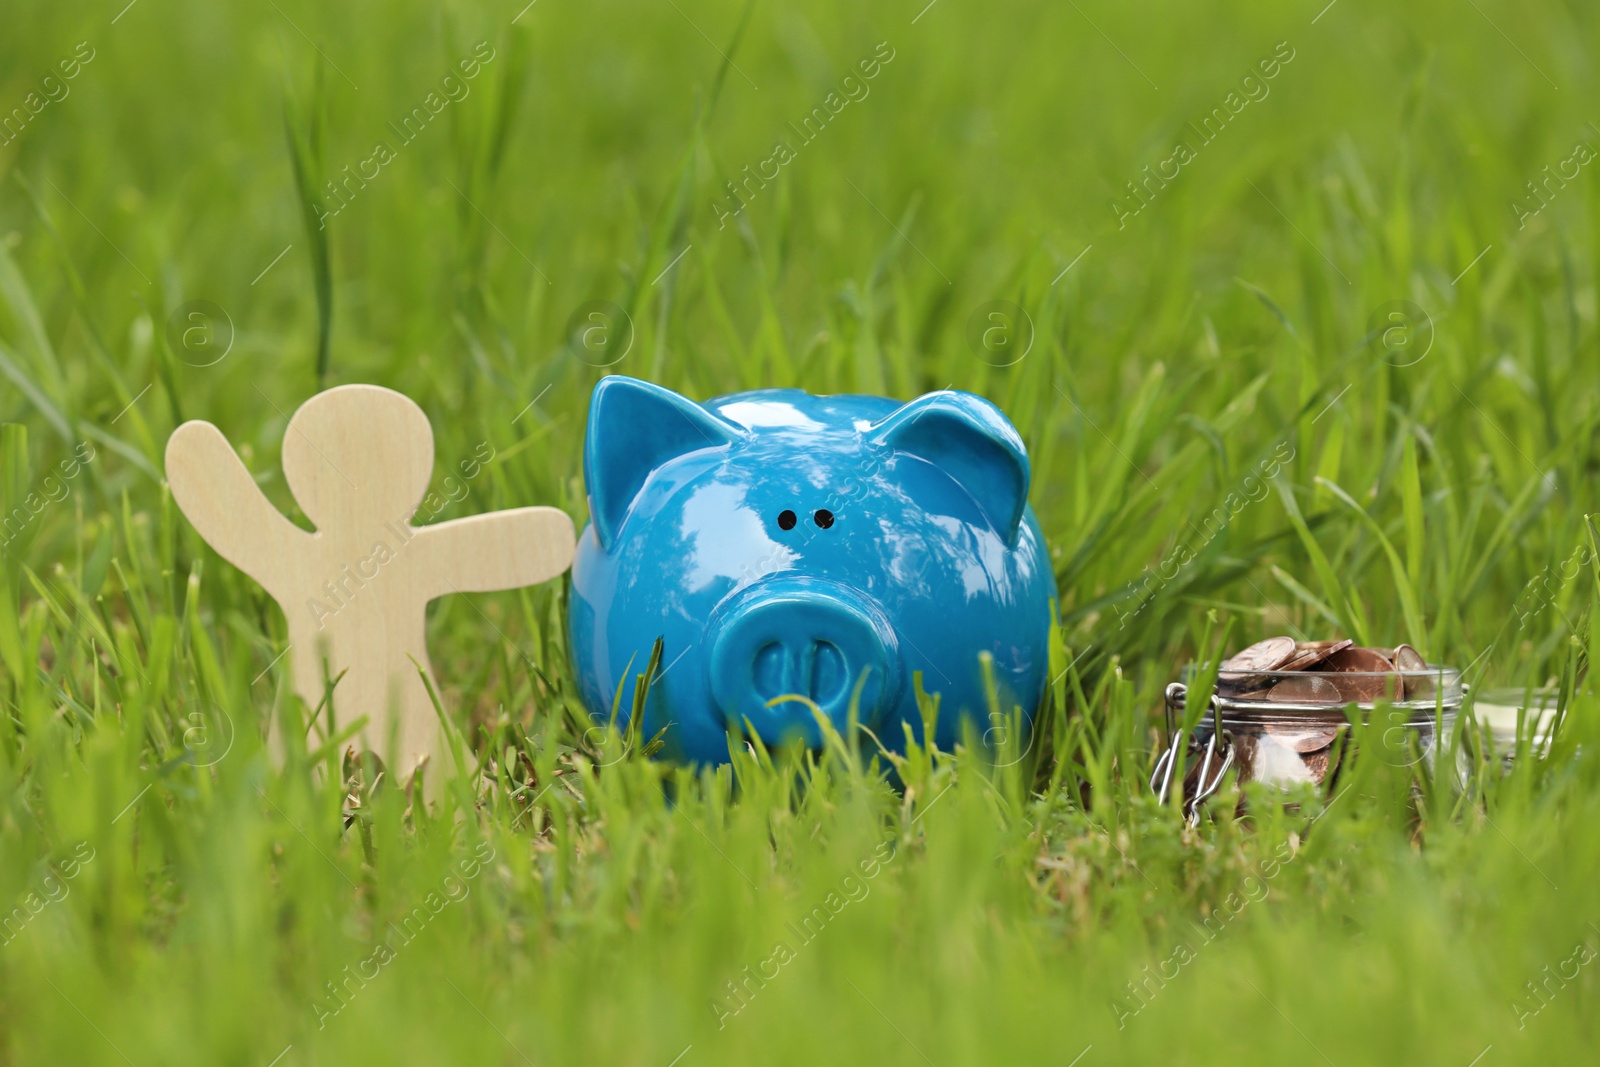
point(358, 459)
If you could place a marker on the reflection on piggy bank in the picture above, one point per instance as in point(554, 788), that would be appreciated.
point(797, 553)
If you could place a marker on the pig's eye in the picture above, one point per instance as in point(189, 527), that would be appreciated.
point(787, 520)
point(823, 518)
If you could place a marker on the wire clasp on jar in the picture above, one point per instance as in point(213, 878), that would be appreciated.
point(1218, 746)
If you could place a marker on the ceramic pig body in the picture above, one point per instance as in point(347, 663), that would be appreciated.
point(797, 552)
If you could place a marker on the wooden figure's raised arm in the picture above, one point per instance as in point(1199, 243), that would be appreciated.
point(223, 502)
point(499, 550)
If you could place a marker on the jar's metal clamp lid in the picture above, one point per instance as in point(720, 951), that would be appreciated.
point(1219, 746)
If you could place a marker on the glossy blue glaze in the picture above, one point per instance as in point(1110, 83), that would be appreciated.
point(932, 556)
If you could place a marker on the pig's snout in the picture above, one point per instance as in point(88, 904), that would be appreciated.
point(790, 643)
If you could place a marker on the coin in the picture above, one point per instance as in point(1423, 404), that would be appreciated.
point(1317, 764)
point(1360, 660)
point(1304, 738)
point(1409, 659)
point(1370, 675)
point(1306, 689)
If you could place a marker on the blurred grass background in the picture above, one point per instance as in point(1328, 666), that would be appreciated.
point(1442, 468)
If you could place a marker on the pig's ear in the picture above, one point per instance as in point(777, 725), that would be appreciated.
point(635, 427)
point(970, 440)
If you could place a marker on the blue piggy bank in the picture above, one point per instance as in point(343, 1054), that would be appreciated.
point(797, 553)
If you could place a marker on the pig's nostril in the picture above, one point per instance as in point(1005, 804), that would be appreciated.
point(824, 518)
point(829, 672)
point(770, 667)
point(786, 520)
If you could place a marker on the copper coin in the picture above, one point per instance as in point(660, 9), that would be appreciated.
point(1306, 689)
point(1371, 675)
point(1359, 659)
point(1304, 738)
point(1310, 653)
point(1317, 764)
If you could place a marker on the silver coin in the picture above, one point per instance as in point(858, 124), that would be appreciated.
point(1409, 659)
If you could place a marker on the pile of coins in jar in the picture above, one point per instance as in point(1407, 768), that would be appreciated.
point(1279, 706)
point(1344, 673)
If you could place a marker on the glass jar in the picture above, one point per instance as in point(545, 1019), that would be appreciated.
point(1280, 727)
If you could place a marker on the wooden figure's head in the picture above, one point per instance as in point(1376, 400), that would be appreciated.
point(356, 454)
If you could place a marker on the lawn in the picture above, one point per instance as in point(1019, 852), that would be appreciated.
point(1356, 245)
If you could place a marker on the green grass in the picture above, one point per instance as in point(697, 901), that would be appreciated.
point(1237, 317)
